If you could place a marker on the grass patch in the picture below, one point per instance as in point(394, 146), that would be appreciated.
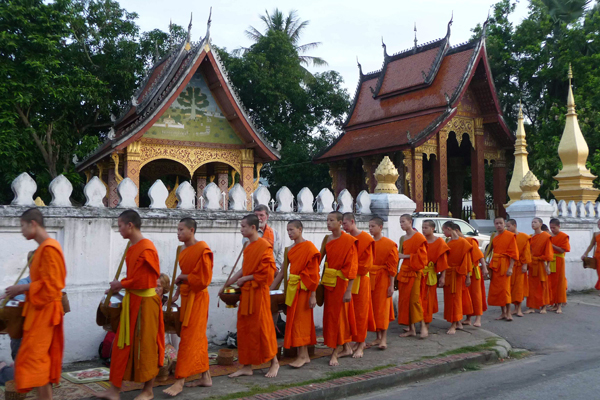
point(471, 367)
point(517, 355)
point(254, 390)
point(488, 345)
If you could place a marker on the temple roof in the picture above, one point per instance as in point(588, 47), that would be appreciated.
point(166, 79)
point(414, 95)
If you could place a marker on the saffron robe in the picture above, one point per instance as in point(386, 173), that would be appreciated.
point(437, 256)
point(478, 303)
point(541, 250)
point(257, 342)
point(410, 309)
point(338, 317)
point(197, 263)
point(304, 259)
point(519, 283)
point(558, 279)
point(39, 360)
point(597, 257)
point(505, 249)
point(141, 359)
point(459, 261)
point(363, 307)
point(385, 268)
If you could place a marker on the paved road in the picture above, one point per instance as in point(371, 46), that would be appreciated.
point(565, 362)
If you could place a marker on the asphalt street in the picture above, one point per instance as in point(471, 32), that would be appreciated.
point(565, 360)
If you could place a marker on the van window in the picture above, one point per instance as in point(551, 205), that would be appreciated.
point(466, 229)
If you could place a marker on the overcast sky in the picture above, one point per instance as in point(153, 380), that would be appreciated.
point(346, 29)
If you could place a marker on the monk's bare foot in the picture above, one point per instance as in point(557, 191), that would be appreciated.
point(467, 322)
point(359, 351)
point(543, 310)
point(272, 372)
point(408, 333)
point(509, 318)
point(375, 342)
point(408, 329)
point(299, 362)
point(554, 308)
point(346, 351)
point(176, 388)
point(530, 311)
point(451, 331)
point(112, 393)
point(333, 362)
point(145, 395)
point(205, 380)
point(424, 331)
point(382, 345)
point(500, 318)
point(246, 370)
point(477, 322)
point(459, 326)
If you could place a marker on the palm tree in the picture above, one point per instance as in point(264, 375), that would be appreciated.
point(566, 11)
point(292, 26)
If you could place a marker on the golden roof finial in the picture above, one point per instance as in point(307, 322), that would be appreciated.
point(386, 176)
point(570, 97)
point(521, 167)
point(530, 186)
point(520, 110)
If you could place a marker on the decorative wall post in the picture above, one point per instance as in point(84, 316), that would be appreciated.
point(222, 171)
point(200, 185)
point(499, 188)
point(478, 170)
point(418, 179)
point(132, 166)
point(104, 166)
point(441, 181)
point(248, 175)
point(408, 176)
point(530, 205)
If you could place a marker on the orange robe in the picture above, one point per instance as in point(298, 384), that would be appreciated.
point(197, 263)
point(459, 260)
point(505, 249)
point(541, 250)
point(363, 307)
point(256, 340)
point(410, 309)
point(519, 284)
point(385, 267)
point(558, 279)
point(269, 235)
point(437, 254)
point(39, 360)
point(597, 257)
point(140, 360)
point(304, 259)
point(338, 317)
point(477, 287)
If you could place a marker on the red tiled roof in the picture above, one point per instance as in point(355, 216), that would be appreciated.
point(407, 72)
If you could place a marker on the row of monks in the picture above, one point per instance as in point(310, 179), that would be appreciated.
point(356, 285)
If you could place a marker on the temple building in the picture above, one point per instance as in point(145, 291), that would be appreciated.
point(185, 120)
point(434, 111)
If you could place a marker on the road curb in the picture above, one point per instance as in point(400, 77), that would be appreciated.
point(385, 378)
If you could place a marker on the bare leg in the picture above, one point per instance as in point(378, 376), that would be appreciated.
point(45, 392)
point(467, 321)
point(302, 358)
point(518, 310)
point(377, 341)
point(424, 330)
point(147, 392)
point(559, 308)
point(459, 325)
point(112, 393)
point(205, 380)
point(272, 372)
point(412, 331)
point(383, 343)
point(452, 329)
point(340, 351)
point(503, 315)
point(477, 321)
point(246, 370)
point(543, 310)
point(175, 388)
point(507, 313)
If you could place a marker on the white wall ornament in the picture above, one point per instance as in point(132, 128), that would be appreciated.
point(589, 210)
point(237, 198)
point(571, 209)
point(61, 189)
point(363, 203)
point(325, 201)
point(127, 191)
point(261, 196)
point(285, 200)
point(562, 208)
point(581, 210)
point(555, 207)
point(158, 194)
point(95, 192)
point(345, 202)
point(186, 196)
point(23, 187)
point(212, 194)
point(305, 200)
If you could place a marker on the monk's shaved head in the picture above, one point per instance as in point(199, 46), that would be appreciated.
point(539, 220)
point(407, 217)
point(555, 221)
point(296, 223)
point(512, 222)
point(429, 223)
point(132, 216)
point(349, 217)
point(448, 225)
point(251, 219)
point(377, 220)
point(33, 215)
point(499, 217)
point(190, 223)
point(338, 215)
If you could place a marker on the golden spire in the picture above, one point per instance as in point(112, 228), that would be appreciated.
point(530, 186)
point(386, 176)
point(575, 181)
point(521, 167)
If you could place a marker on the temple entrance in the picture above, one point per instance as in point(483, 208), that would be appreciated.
point(459, 172)
point(170, 172)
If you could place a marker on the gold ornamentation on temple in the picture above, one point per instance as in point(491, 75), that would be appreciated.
point(386, 176)
point(529, 186)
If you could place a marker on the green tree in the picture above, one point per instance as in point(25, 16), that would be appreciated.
point(192, 99)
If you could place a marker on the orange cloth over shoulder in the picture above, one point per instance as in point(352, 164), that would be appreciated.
point(304, 259)
point(505, 249)
point(197, 263)
point(459, 262)
point(268, 235)
point(437, 255)
point(258, 343)
point(140, 361)
point(410, 310)
point(39, 360)
point(385, 268)
point(541, 250)
point(476, 290)
point(558, 279)
point(338, 317)
point(363, 307)
point(519, 284)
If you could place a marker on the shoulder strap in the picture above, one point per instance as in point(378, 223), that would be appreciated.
point(110, 292)
point(174, 277)
point(324, 254)
point(490, 247)
point(285, 266)
point(401, 244)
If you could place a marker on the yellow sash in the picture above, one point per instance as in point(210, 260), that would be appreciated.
point(330, 276)
point(477, 272)
point(431, 275)
point(292, 288)
point(124, 328)
point(553, 262)
point(188, 298)
point(356, 284)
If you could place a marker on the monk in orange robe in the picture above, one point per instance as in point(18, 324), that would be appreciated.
point(385, 268)
point(519, 284)
point(139, 348)
point(474, 303)
point(414, 254)
point(557, 278)
point(437, 254)
point(361, 290)
point(595, 243)
point(196, 262)
point(300, 293)
point(39, 360)
point(257, 342)
point(341, 266)
point(456, 277)
point(506, 253)
point(541, 255)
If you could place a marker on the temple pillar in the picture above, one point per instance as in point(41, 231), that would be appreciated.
point(418, 180)
point(499, 187)
point(409, 188)
point(200, 185)
point(247, 178)
point(478, 171)
point(132, 166)
point(440, 173)
point(222, 172)
point(369, 166)
point(337, 171)
point(456, 172)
